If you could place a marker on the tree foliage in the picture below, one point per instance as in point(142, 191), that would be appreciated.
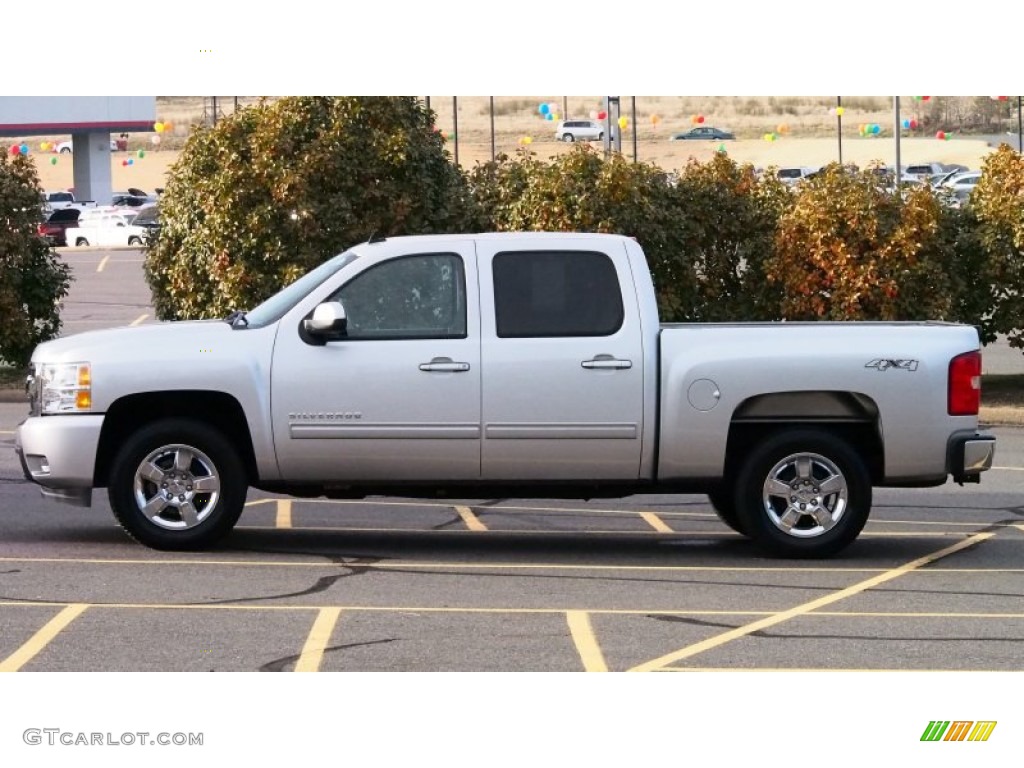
point(32, 279)
point(274, 190)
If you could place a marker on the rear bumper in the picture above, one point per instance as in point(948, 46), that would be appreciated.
point(59, 454)
point(970, 454)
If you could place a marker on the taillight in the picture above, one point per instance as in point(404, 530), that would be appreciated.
point(964, 384)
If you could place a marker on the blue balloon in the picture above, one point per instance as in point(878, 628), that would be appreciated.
point(23, 149)
point(548, 115)
point(876, 128)
point(906, 123)
point(544, 109)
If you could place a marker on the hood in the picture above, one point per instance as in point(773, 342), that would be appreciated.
point(143, 341)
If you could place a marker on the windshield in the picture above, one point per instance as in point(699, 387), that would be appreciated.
point(274, 308)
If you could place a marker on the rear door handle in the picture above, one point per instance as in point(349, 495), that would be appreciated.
point(444, 365)
point(606, 363)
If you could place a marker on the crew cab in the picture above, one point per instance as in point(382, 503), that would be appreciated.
point(108, 225)
point(522, 364)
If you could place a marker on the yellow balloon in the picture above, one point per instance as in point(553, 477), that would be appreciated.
point(158, 127)
point(655, 119)
point(527, 139)
point(43, 146)
point(623, 122)
point(839, 111)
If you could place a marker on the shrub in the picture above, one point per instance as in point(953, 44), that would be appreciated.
point(32, 279)
point(998, 203)
point(275, 189)
point(849, 249)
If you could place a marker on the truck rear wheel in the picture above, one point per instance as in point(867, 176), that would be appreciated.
point(803, 493)
point(177, 485)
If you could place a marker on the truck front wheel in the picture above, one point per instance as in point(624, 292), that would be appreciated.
point(803, 493)
point(177, 485)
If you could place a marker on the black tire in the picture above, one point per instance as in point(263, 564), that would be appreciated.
point(828, 488)
point(66, 151)
point(134, 241)
point(568, 137)
point(600, 136)
point(723, 501)
point(141, 503)
point(81, 242)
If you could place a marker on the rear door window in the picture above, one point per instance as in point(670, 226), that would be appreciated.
point(556, 293)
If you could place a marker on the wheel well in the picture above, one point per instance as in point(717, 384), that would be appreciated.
point(216, 409)
point(849, 415)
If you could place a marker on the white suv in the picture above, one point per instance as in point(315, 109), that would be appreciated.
point(579, 130)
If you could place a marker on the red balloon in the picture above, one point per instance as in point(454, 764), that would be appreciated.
point(913, 125)
point(940, 135)
point(925, 98)
point(124, 162)
point(700, 118)
point(602, 115)
point(15, 149)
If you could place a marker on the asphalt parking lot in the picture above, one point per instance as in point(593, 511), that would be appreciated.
point(652, 583)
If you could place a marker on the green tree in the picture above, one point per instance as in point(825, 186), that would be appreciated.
point(274, 190)
point(32, 279)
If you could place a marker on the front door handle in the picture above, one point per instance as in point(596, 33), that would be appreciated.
point(606, 362)
point(444, 365)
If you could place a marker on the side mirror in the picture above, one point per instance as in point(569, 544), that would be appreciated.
point(328, 322)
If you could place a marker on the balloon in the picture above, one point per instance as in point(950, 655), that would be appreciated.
point(769, 137)
point(655, 119)
point(43, 146)
point(526, 140)
point(876, 129)
point(548, 116)
point(124, 163)
point(158, 127)
point(155, 140)
point(23, 148)
point(913, 124)
point(141, 153)
point(906, 123)
point(947, 136)
point(451, 135)
point(602, 115)
point(700, 118)
point(53, 161)
point(840, 111)
point(623, 122)
point(721, 149)
point(543, 109)
point(557, 116)
point(940, 135)
point(925, 98)
point(693, 119)
point(783, 128)
point(130, 161)
point(15, 149)
point(917, 98)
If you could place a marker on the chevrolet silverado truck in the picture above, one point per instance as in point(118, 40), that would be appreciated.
point(512, 364)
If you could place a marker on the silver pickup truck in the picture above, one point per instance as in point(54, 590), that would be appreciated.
point(519, 364)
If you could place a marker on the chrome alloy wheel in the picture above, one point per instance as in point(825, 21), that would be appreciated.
point(177, 487)
point(805, 495)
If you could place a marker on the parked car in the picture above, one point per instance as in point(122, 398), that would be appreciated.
point(133, 198)
point(793, 175)
point(66, 147)
point(926, 171)
point(106, 226)
point(579, 130)
point(148, 218)
point(54, 229)
point(703, 132)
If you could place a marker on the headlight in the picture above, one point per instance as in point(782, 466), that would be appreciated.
point(64, 387)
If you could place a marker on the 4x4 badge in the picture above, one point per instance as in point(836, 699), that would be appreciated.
point(885, 364)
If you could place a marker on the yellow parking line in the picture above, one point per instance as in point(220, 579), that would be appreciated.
point(257, 502)
point(748, 629)
point(655, 522)
point(138, 320)
point(316, 643)
point(472, 521)
point(284, 513)
point(6, 431)
point(103, 263)
point(586, 641)
point(42, 638)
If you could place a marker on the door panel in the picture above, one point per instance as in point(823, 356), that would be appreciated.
point(562, 363)
point(399, 398)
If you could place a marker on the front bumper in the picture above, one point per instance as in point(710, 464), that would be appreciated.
point(59, 453)
point(970, 454)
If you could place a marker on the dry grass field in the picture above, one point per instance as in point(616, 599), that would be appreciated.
point(805, 126)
